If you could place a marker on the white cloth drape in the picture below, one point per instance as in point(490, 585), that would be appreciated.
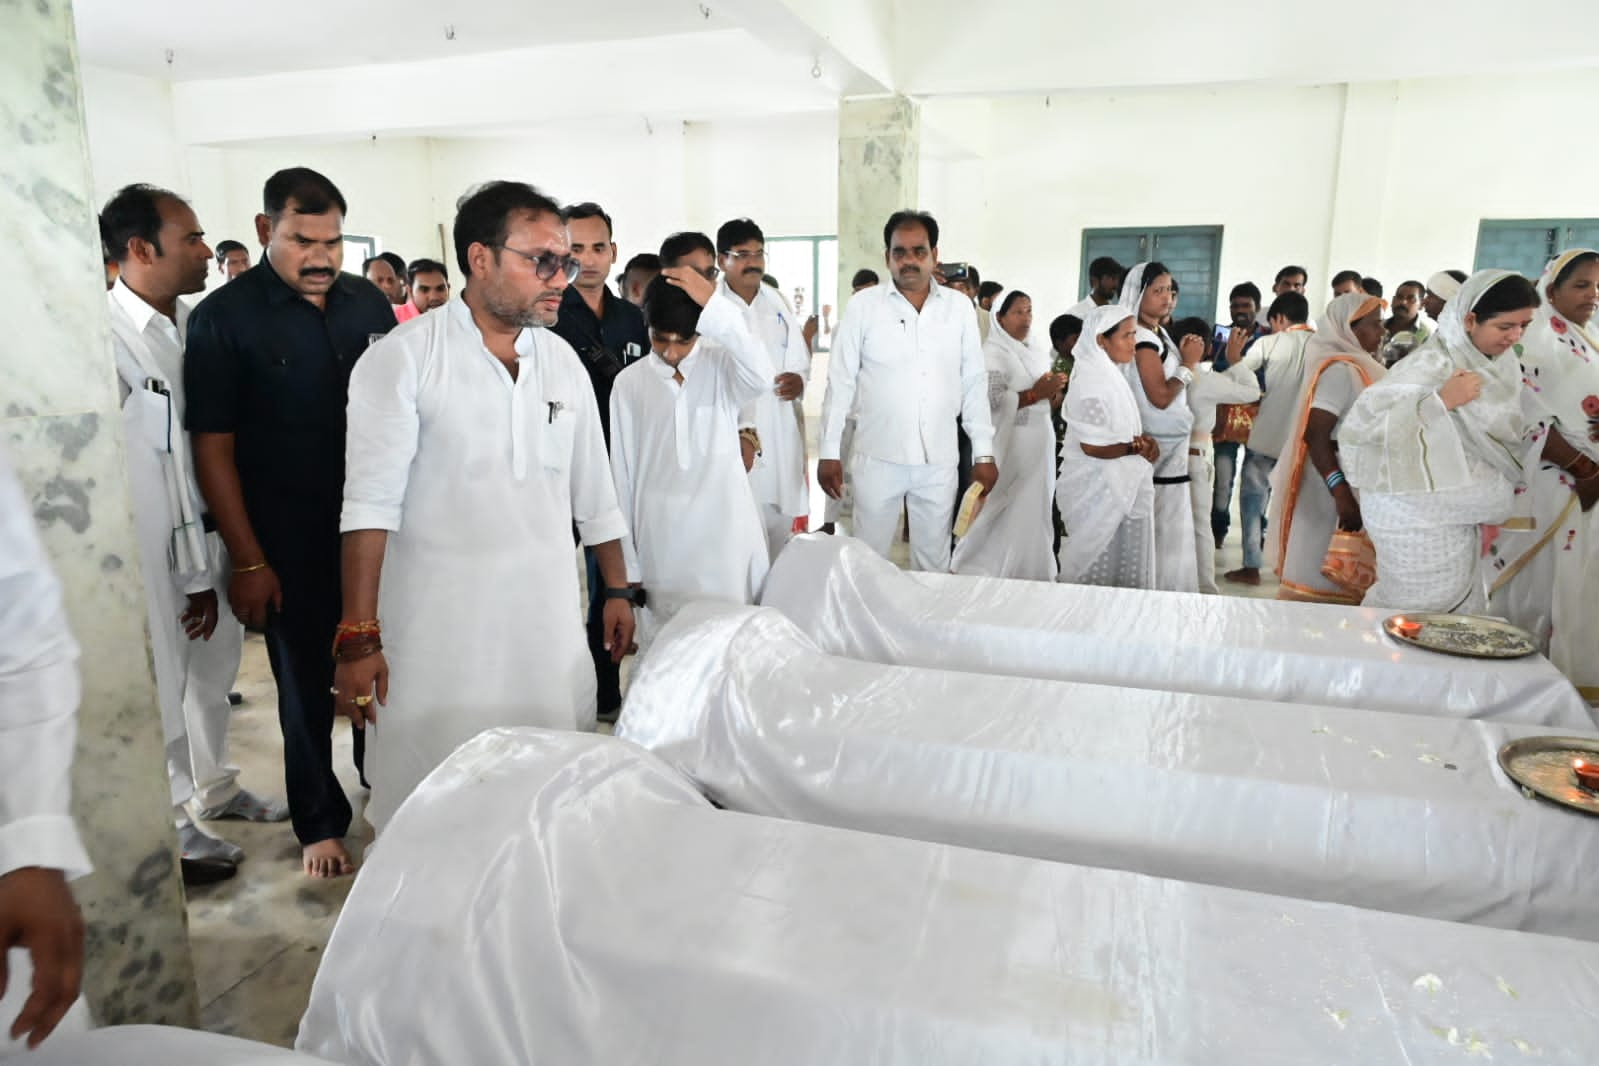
point(1012, 536)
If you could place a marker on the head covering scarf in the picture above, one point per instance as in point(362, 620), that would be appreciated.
point(1560, 363)
point(1021, 356)
point(1100, 407)
point(1387, 443)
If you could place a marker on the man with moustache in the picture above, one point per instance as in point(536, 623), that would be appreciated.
point(906, 361)
point(429, 283)
point(266, 371)
point(474, 448)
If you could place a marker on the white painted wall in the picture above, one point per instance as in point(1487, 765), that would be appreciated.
point(132, 136)
point(780, 171)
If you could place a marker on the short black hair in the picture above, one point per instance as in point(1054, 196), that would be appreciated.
point(483, 216)
point(134, 212)
point(1372, 287)
point(588, 209)
point(1104, 267)
point(311, 193)
point(864, 277)
point(668, 309)
point(366, 264)
point(425, 266)
point(1291, 305)
point(675, 247)
point(1194, 326)
point(973, 276)
point(643, 261)
point(395, 260)
point(738, 231)
point(1290, 271)
point(1246, 289)
point(1571, 267)
point(901, 219)
point(1347, 275)
point(1418, 286)
point(1514, 293)
point(1010, 299)
point(989, 289)
point(225, 248)
point(1065, 326)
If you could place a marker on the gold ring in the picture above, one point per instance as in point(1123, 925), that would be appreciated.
point(361, 701)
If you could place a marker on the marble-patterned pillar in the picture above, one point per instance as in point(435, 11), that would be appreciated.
point(879, 167)
point(60, 423)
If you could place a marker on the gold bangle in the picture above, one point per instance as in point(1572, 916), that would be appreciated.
point(249, 569)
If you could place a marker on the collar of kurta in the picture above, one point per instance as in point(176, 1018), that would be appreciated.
point(936, 293)
point(665, 370)
point(461, 317)
point(141, 313)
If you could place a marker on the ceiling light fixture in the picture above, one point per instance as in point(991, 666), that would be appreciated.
point(816, 68)
point(705, 12)
point(449, 33)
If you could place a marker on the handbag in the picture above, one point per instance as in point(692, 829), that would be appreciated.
point(1351, 562)
point(1233, 422)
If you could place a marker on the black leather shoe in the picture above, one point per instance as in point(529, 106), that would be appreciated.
point(207, 871)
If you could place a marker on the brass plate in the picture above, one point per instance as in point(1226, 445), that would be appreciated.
point(1543, 765)
point(1467, 635)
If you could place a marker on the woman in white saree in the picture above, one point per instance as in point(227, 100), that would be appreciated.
point(1546, 578)
point(1435, 449)
point(1013, 534)
point(1310, 499)
point(1160, 381)
point(1106, 489)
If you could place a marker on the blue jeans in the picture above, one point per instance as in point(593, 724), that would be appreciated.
point(1221, 499)
point(1252, 502)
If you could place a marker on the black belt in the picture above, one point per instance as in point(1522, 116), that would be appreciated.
point(208, 523)
point(1183, 480)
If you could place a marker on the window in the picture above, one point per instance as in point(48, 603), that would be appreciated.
point(358, 250)
point(1527, 245)
point(1192, 253)
point(802, 267)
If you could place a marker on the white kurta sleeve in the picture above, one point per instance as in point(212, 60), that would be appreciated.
point(624, 446)
point(749, 373)
point(382, 436)
point(975, 418)
point(843, 373)
point(39, 690)
point(594, 507)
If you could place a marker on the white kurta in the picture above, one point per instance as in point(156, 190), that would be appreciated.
point(478, 478)
point(694, 531)
point(1176, 568)
point(778, 476)
point(1013, 535)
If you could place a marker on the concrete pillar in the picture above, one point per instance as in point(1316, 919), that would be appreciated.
point(60, 421)
point(879, 167)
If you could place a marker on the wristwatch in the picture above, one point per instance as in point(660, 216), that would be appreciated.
point(636, 597)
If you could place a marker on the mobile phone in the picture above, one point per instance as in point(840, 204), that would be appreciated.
point(953, 272)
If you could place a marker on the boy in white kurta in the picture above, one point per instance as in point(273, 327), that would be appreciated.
point(694, 530)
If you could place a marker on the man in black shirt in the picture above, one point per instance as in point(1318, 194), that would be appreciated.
point(266, 370)
point(607, 333)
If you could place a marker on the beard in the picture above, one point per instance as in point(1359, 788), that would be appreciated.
point(513, 309)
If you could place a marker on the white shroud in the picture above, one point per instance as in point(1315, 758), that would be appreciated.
point(1389, 811)
point(858, 606)
point(564, 899)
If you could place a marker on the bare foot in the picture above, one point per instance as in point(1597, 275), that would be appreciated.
point(327, 858)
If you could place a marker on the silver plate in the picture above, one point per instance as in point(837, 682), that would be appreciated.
point(1468, 635)
point(1543, 765)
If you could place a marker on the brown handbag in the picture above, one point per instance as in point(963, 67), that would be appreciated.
point(1233, 422)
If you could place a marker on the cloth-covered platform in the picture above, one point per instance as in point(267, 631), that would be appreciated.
point(569, 899)
point(158, 1045)
point(1395, 812)
point(860, 606)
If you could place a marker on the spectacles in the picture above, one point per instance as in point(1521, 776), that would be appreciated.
point(547, 264)
point(711, 273)
point(739, 257)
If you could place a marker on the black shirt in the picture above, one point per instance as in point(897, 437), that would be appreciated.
point(267, 365)
point(605, 345)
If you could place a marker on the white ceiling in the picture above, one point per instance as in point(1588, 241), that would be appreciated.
point(233, 38)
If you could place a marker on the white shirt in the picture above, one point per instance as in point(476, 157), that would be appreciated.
point(1210, 390)
point(39, 691)
point(694, 531)
point(1283, 355)
point(778, 475)
point(907, 377)
point(478, 478)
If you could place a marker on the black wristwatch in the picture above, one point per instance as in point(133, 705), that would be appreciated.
point(636, 597)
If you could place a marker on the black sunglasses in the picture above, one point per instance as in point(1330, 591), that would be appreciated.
point(547, 264)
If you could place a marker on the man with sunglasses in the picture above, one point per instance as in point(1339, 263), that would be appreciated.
point(778, 476)
point(475, 445)
point(608, 334)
